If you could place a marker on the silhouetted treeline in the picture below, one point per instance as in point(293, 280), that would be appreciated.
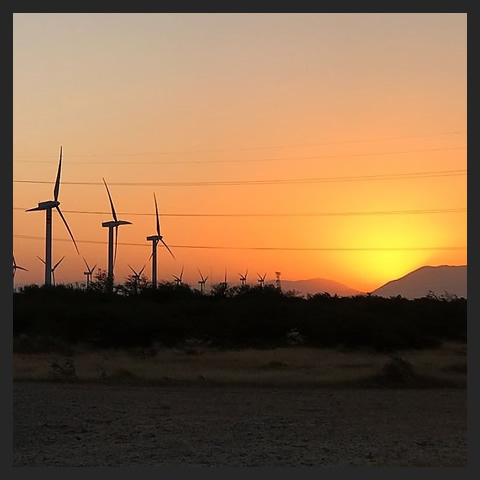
point(136, 315)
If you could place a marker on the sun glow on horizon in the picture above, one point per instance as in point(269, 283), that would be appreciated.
point(319, 145)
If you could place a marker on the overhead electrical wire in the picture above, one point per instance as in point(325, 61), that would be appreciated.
point(426, 211)
point(242, 149)
point(244, 160)
point(295, 181)
point(218, 247)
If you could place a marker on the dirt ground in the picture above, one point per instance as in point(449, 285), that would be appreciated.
point(105, 425)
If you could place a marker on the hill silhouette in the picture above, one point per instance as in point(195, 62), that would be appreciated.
point(317, 285)
point(439, 280)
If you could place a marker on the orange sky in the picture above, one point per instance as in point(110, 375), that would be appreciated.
point(318, 145)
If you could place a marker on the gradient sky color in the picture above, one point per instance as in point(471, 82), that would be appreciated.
point(329, 145)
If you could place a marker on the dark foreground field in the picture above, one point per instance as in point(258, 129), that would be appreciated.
point(68, 424)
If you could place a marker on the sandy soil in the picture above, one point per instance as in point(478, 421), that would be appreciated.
point(106, 425)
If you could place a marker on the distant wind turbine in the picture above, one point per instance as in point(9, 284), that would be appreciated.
point(112, 226)
point(137, 275)
point(15, 268)
point(53, 268)
point(202, 281)
point(243, 278)
point(89, 272)
point(155, 239)
point(178, 280)
point(48, 206)
point(261, 279)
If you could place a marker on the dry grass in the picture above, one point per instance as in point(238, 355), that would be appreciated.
point(446, 365)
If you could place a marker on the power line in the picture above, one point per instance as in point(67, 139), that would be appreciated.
point(271, 159)
point(218, 247)
point(240, 215)
point(392, 176)
point(456, 132)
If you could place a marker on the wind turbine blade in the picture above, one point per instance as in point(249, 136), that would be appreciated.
point(68, 228)
point(57, 181)
point(156, 214)
point(166, 246)
point(181, 273)
point(132, 269)
point(57, 264)
point(42, 260)
point(141, 271)
point(14, 262)
point(92, 270)
point(201, 276)
point(205, 279)
point(86, 264)
point(111, 201)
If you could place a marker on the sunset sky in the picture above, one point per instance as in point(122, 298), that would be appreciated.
point(330, 145)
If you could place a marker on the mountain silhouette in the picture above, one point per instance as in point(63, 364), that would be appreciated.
point(316, 285)
point(439, 280)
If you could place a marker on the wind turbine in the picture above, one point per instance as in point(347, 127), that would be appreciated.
point(89, 272)
point(112, 226)
point(137, 275)
point(15, 268)
point(48, 206)
point(261, 279)
point(178, 280)
point(53, 268)
point(202, 281)
point(155, 239)
point(225, 284)
point(243, 278)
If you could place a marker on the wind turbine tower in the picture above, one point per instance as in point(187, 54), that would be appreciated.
point(112, 226)
point(48, 206)
point(155, 239)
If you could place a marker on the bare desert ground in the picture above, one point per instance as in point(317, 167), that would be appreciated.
point(285, 407)
point(62, 424)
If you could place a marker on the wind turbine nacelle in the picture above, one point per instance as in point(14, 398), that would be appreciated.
point(113, 223)
point(154, 237)
point(45, 205)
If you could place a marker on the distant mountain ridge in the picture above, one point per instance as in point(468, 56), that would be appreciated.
point(316, 285)
point(439, 280)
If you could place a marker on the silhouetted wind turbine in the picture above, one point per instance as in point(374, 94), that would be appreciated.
point(15, 268)
point(48, 206)
point(261, 279)
point(53, 268)
point(178, 280)
point(112, 226)
point(89, 272)
point(243, 278)
point(202, 281)
point(155, 239)
point(137, 275)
